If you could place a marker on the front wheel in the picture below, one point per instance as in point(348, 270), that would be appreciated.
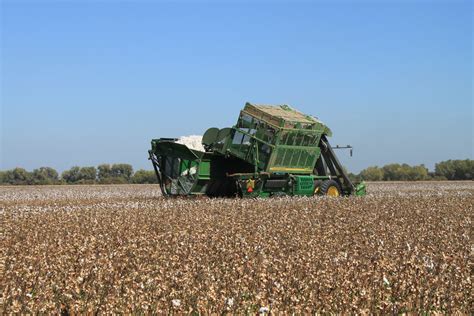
point(330, 188)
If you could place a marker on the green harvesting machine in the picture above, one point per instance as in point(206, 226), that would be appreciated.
point(271, 151)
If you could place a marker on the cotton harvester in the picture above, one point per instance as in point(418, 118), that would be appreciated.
point(271, 151)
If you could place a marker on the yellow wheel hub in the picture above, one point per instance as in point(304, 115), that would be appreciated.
point(332, 191)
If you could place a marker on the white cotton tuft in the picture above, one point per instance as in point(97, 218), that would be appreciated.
point(192, 142)
point(263, 310)
point(230, 302)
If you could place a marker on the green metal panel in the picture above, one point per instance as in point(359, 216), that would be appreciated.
point(360, 189)
point(293, 159)
point(304, 185)
point(204, 170)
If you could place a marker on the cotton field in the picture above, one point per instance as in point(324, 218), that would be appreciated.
point(405, 247)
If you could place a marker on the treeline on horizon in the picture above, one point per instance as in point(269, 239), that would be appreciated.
point(444, 170)
point(121, 173)
point(124, 174)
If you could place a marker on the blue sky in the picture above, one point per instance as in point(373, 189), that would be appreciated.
point(88, 82)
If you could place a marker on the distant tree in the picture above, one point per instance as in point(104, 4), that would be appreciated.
point(115, 174)
point(87, 175)
point(455, 169)
point(45, 175)
point(17, 176)
point(446, 169)
point(122, 170)
point(417, 173)
point(2, 177)
point(372, 174)
point(144, 176)
point(78, 175)
point(404, 172)
point(464, 169)
point(391, 172)
point(72, 175)
point(104, 172)
point(433, 176)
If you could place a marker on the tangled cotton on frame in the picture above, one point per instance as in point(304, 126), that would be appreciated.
point(192, 141)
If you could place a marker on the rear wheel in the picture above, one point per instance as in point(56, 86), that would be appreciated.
point(330, 188)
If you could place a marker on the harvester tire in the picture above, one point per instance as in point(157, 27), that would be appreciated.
point(330, 188)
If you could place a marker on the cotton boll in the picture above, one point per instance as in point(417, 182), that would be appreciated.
point(192, 142)
point(263, 310)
